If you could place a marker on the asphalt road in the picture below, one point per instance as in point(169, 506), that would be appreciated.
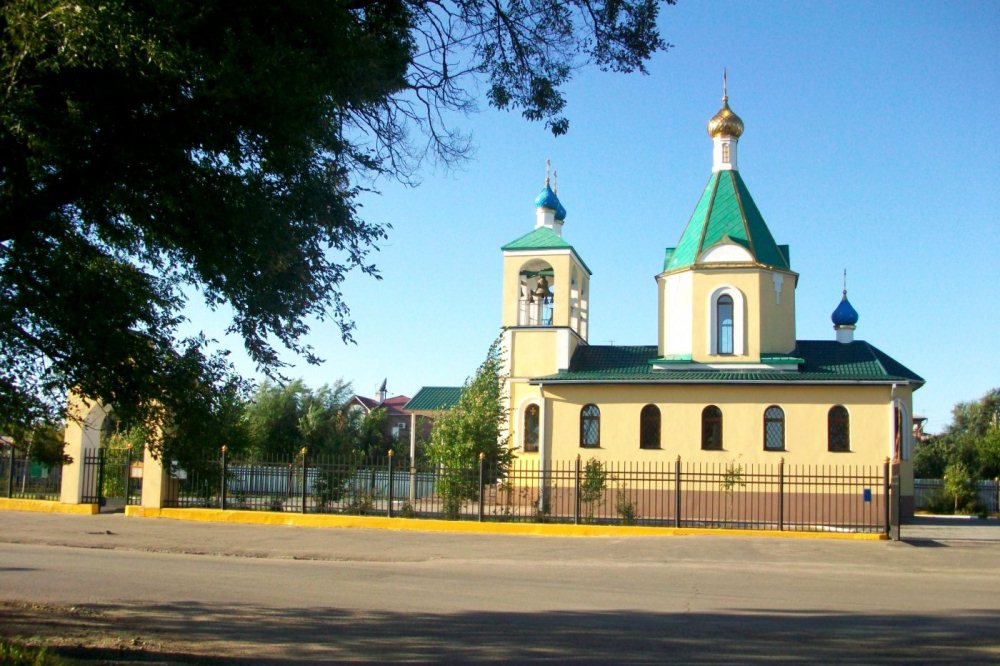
point(241, 593)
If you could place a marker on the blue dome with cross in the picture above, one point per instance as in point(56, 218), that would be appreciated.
point(547, 199)
point(845, 314)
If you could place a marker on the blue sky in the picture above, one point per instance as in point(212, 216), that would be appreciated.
point(869, 145)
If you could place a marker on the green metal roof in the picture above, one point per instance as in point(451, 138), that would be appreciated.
point(544, 238)
point(541, 238)
point(726, 211)
point(823, 361)
point(434, 399)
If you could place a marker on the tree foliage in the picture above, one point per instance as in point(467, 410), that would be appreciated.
point(282, 419)
point(41, 442)
point(152, 151)
point(473, 427)
point(971, 441)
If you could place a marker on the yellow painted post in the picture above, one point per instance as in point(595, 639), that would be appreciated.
point(82, 435)
point(156, 481)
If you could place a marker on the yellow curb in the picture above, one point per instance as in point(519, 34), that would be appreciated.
point(47, 506)
point(431, 525)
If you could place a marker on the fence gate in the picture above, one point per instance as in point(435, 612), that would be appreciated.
point(108, 479)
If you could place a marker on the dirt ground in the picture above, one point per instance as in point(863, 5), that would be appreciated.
point(81, 634)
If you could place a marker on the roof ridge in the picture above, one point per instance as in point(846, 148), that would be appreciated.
point(708, 217)
point(743, 216)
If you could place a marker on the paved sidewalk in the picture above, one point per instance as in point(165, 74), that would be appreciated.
point(951, 528)
point(118, 532)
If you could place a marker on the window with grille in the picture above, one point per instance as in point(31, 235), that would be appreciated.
point(774, 428)
point(839, 429)
point(590, 426)
point(649, 427)
point(711, 428)
point(531, 428)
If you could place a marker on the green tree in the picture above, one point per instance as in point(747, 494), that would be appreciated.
point(930, 458)
point(373, 439)
point(474, 426)
point(41, 442)
point(150, 151)
point(281, 419)
point(972, 439)
point(958, 483)
point(593, 485)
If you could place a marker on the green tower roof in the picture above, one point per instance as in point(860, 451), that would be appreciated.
point(726, 211)
point(543, 238)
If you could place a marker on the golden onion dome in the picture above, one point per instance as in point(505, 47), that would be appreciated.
point(725, 122)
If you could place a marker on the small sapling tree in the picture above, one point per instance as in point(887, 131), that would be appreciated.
point(474, 426)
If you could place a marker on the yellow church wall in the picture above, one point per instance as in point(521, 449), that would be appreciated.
point(769, 326)
point(704, 283)
point(806, 409)
point(777, 334)
point(532, 352)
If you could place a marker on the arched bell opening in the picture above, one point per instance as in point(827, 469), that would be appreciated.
point(537, 294)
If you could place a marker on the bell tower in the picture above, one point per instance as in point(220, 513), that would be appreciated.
point(546, 293)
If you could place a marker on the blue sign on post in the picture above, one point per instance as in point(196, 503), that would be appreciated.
point(868, 494)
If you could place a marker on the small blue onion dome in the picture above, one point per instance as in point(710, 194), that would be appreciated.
point(845, 314)
point(548, 199)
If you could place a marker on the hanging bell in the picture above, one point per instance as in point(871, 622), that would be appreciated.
point(542, 289)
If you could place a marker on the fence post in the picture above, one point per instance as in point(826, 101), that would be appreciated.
point(388, 508)
point(100, 477)
point(10, 470)
point(222, 491)
point(305, 475)
point(128, 473)
point(482, 485)
point(781, 494)
point(885, 495)
point(576, 502)
point(677, 492)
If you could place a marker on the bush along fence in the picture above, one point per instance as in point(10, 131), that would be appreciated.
point(930, 495)
point(676, 493)
point(23, 478)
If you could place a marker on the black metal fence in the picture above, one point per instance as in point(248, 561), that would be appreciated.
point(679, 494)
point(23, 478)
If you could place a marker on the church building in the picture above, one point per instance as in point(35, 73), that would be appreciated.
point(727, 377)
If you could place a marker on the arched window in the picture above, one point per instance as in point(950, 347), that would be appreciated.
point(711, 428)
point(838, 429)
point(724, 320)
point(774, 428)
point(530, 442)
point(590, 427)
point(649, 427)
point(725, 153)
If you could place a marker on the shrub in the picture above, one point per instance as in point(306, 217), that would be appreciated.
point(626, 508)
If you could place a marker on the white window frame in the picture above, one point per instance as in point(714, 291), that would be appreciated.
point(739, 325)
